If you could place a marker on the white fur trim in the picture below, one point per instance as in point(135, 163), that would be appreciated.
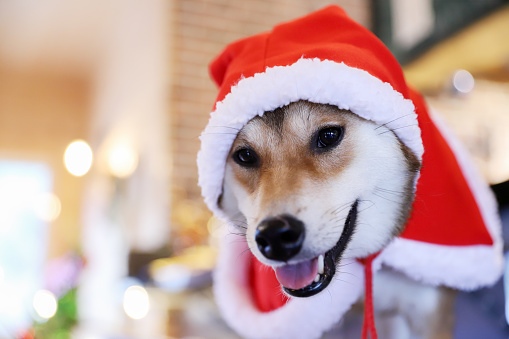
point(463, 267)
point(315, 80)
point(305, 318)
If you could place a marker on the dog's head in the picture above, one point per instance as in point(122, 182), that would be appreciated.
point(309, 184)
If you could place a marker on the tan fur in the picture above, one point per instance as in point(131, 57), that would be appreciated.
point(287, 162)
point(370, 164)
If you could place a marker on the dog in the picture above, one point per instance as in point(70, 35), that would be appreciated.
point(331, 168)
point(296, 177)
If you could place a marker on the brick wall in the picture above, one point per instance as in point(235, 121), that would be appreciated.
point(200, 30)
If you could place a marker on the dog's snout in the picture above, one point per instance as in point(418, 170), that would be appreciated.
point(280, 238)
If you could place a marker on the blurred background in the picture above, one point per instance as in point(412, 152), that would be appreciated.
point(103, 233)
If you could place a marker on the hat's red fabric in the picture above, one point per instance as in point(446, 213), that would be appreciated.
point(328, 34)
point(444, 211)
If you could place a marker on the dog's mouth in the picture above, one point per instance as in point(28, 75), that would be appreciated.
point(310, 277)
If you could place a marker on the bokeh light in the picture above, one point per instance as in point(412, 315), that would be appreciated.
point(78, 158)
point(45, 304)
point(47, 207)
point(463, 81)
point(136, 302)
point(122, 161)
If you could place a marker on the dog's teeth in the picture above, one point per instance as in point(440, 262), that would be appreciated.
point(317, 278)
point(320, 264)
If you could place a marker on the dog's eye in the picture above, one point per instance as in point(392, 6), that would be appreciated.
point(329, 137)
point(246, 157)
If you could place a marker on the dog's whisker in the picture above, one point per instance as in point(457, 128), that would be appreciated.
point(330, 294)
point(343, 264)
point(403, 116)
point(344, 273)
point(239, 219)
point(238, 234)
point(228, 127)
point(335, 208)
point(240, 222)
point(235, 226)
point(218, 133)
point(338, 218)
point(240, 227)
point(362, 210)
point(343, 207)
point(396, 128)
point(381, 196)
point(243, 235)
point(337, 277)
point(321, 227)
point(237, 222)
point(243, 226)
point(389, 191)
point(338, 223)
point(337, 227)
point(243, 252)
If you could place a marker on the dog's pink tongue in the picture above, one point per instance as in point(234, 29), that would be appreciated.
point(299, 275)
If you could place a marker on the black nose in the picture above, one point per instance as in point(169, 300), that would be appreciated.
point(280, 238)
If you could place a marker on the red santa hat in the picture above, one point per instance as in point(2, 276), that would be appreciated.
point(453, 237)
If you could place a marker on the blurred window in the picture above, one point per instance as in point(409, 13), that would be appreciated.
point(24, 188)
